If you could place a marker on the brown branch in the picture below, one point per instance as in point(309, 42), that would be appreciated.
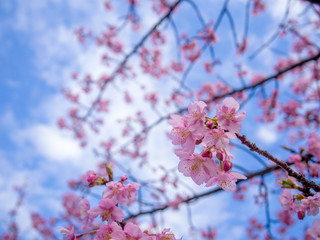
point(307, 183)
point(298, 64)
point(208, 193)
point(273, 76)
point(263, 81)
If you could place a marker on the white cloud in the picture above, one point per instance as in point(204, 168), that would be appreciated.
point(267, 134)
point(51, 143)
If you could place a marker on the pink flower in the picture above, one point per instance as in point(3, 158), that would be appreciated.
point(285, 217)
point(165, 235)
point(296, 159)
point(210, 233)
point(105, 231)
point(227, 117)
point(114, 191)
point(180, 134)
point(218, 138)
point(177, 66)
point(287, 202)
point(130, 231)
point(91, 176)
point(258, 7)
point(257, 78)
point(199, 168)
point(314, 145)
point(313, 233)
point(311, 204)
point(182, 154)
point(70, 234)
point(121, 194)
point(84, 212)
point(225, 180)
point(175, 203)
point(107, 210)
point(196, 118)
point(130, 193)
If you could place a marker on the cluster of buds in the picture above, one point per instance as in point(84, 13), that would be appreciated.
point(213, 164)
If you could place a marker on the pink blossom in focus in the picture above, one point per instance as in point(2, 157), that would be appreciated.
point(180, 134)
point(199, 168)
point(227, 117)
point(225, 180)
point(218, 138)
point(196, 118)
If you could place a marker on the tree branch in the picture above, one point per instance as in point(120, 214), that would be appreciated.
point(208, 193)
point(307, 183)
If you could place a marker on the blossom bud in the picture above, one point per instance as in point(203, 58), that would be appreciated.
point(219, 155)
point(91, 176)
point(109, 171)
point(287, 183)
point(227, 165)
point(301, 214)
point(207, 153)
point(210, 124)
point(124, 178)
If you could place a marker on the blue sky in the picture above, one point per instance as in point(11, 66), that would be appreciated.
point(38, 54)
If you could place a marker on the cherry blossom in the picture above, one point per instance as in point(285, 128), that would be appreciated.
point(121, 194)
point(70, 233)
point(313, 233)
point(107, 210)
point(287, 202)
point(226, 180)
point(105, 231)
point(180, 134)
point(311, 204)
point(196, 118)
point(130, 231)
point(218, 138)
point(199, 168)
point(227, 117)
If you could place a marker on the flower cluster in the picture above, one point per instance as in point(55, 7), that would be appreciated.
point(108, 209)
point(299, 204)
point(213, 165)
